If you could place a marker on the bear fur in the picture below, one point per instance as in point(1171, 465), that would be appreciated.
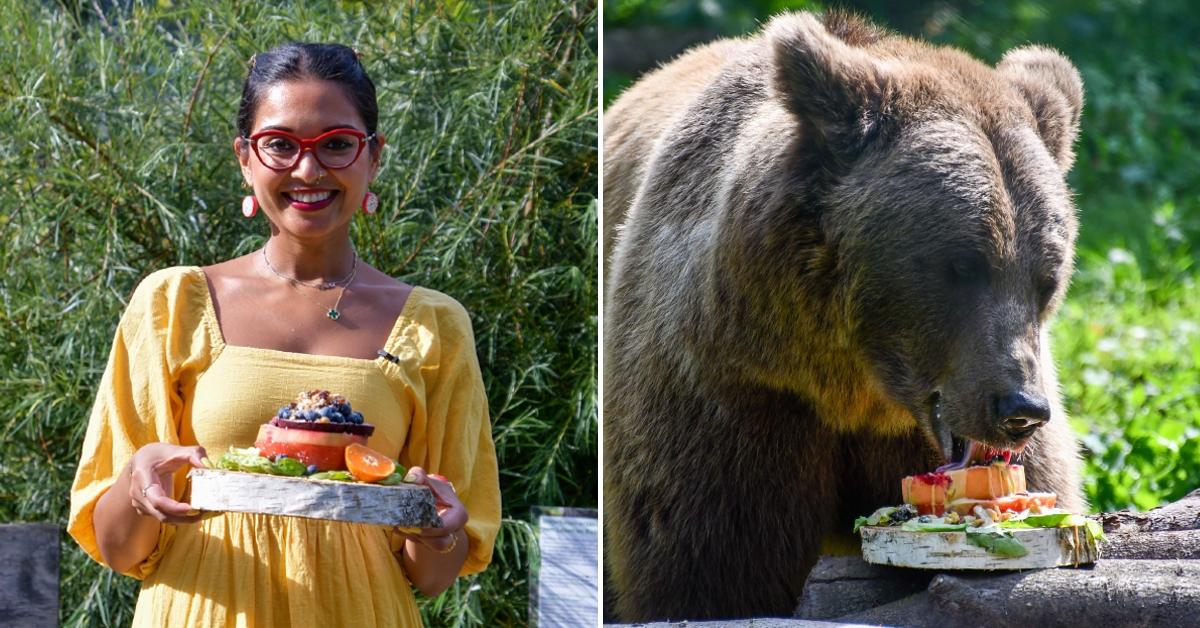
point(829, 250)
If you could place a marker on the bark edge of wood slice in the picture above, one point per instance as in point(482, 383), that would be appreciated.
point(404, 505)
point(1047, 548)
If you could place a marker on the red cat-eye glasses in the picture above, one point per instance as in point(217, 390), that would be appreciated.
point(334, 149)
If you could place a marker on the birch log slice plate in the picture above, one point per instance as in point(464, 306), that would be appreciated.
point(404, 505)
point(1047, 547)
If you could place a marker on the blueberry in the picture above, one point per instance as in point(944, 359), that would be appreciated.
point(337, 417)
point(326, 411)
point(310, 415)
point(356, 417)
point(281, 456)
point(312, 468)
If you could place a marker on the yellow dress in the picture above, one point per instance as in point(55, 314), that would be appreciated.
point(171, 378)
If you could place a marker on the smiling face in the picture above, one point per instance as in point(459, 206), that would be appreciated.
point(308, 200)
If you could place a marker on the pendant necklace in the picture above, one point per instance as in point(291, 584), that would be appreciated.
point(332, 313)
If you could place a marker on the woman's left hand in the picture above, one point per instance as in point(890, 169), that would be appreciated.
point(452, 511)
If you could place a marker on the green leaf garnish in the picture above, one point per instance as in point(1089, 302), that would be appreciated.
point(289, 467)
point(913, 525)
point(397, 477)
point(336, 476)
point(1056, 520)
point(998, 543)
point(881, 516)
point(244, 460)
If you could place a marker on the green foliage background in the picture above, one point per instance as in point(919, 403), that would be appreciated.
point(1127, 341)
point(117, 126)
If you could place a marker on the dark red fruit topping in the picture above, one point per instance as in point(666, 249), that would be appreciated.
point(934, 478)
point(358, 429)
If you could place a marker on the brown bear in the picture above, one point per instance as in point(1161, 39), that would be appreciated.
point(833, 255)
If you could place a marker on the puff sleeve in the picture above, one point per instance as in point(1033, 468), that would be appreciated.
point(138, 399)
point(451, 432)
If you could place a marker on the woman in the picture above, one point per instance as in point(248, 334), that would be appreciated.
point(204, 356)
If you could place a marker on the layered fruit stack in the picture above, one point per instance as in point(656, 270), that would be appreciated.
point(997, 486)
point(315, 429)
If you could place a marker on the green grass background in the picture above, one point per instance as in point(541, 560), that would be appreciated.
point(1127, 340)
point(117, 122)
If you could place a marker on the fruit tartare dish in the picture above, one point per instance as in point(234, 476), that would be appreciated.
point(985, 496)
point(319, 436)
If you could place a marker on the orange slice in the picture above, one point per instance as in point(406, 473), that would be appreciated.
point(366, 464)
point(988, 481)
point(981, 484)
point(926, 491)
point(1007, 503)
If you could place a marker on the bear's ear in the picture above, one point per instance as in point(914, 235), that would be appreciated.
point(839, 89)
point(1054, 91)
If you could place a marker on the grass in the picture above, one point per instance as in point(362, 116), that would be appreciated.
point(1128, 339)
point(118, 122)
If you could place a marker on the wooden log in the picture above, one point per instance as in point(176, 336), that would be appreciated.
point(1181, 515)
point(404, 505)
point(839, 585)
point(29, 574)
point(1113, 594)
point(844, 586)
point(1045, 547)
point(758, 622)
point(1178, 544)
point(1116, 593)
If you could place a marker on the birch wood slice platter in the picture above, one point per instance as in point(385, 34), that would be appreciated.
point(404, 505)
point(1047, 547)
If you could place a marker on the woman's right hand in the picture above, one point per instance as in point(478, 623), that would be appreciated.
point(151, 486)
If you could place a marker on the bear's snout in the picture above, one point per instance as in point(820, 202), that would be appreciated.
point(1019, 413)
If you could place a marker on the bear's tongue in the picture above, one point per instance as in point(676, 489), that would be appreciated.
point(973, 452)
point(959, 452)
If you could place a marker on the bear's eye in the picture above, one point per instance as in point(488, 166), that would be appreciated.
point(968, 271)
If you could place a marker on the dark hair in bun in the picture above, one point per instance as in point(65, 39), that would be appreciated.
point(292, 62)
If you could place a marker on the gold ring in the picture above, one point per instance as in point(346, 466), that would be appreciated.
point(453, 544)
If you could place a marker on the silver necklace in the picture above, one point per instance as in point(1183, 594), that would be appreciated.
point(332, 313)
